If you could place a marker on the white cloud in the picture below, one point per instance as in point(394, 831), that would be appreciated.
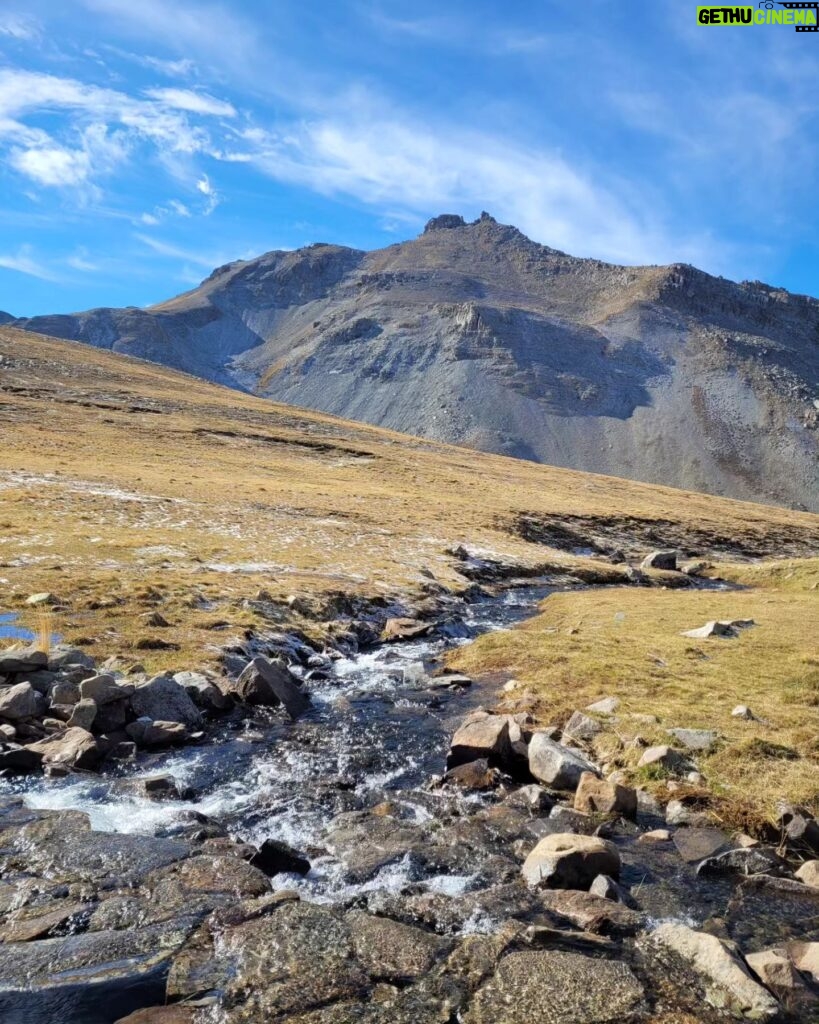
point(24, 262)
point(411, 167)
point(199, 259)
point(78, 260)
point(210, 194)
point(19, 26)
point(179, 208)
point(50, 164)
point(194, 102)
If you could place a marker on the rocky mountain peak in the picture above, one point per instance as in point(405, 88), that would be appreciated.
point(444, 222)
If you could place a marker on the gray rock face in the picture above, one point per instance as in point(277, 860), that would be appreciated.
point(664, 374)
point(163, 699)
point(556, 765)
point(553, 987)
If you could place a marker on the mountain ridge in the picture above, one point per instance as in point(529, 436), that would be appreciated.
point(474, 334)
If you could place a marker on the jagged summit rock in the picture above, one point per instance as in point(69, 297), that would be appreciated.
point(474, 334)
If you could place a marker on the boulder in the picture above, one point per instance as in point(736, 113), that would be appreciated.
point(268, 683)
point(744, 712)
point(147, 733)
point(104, 689)
point(203, 691)
point(14, 759)
point(275, 857)
point(696, 844)
point(724, 627)
point(83, 714)
point(391, 951)
point(598, 796)
point(568, 861)
point(604, 706)
point(777, 973)
point(65, 657)
point(608, 889)
point(404, 629)
point(695, 739)
point(163, 699)
point(74, 748)
point(666, 758)
point(805, 957)
point(581, 727)
point(481, 737)
point(532, 798)
point(555, 987)
point(809, 873)
point(557, 765)
point(475, 775)
point(12, 662)
point(64, 692)
point(21, 701)
point(744, 861)
point(593, 912)
point(800, 827)
point(660, 560)
point(726, 981)
point(45, 597)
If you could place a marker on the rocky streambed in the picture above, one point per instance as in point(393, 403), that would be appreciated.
point(286, 846)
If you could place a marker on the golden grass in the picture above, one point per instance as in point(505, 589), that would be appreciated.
point(126, 487)
point(626, 643)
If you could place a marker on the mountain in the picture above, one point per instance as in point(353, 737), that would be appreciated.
point(476, 335)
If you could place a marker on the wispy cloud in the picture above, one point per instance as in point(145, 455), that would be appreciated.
point(79, 260)
point(177, 252)
point(24, 262)
point(15, 25)
point(194, 102)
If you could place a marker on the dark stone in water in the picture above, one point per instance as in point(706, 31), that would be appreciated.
point(766, 911)
point(276, 857)
point(742, 862)
point(695, 844)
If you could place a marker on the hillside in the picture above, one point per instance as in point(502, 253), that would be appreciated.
point(119, 479)
point(473, 334)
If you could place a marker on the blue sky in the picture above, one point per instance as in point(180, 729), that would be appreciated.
point(144, 142)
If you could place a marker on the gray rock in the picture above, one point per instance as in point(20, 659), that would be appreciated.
point(45, 597)
point(391, 951)
point(481, 736)
point(697, 844)
point(65, 657)
point(163, 699)
point(21, 701)
point(600, 911)
point(808, 873)
point(660, 560)
point(608, 889)
point(532, 798)
point(604, 706)
point(568, 861)
point(104, 689)
point(665, 758)
point(678, 812)
point(599, 796)
point(581, 727)
point(203, 691)
point(147, 733)
point(744, 861)
point(267, 682)
point(22, 660)
point(776, 972)
point(726, 981)
point(695, 739)
point(557, 765)
point(64, 692)
point(74, 748)
point(555, 987)
point(83, 714)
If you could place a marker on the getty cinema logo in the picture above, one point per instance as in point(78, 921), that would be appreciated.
point(803, 16)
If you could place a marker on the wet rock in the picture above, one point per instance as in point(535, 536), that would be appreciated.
point(16, 759)
point(21, 701)
point(568, 861)
point(594, 912)
point(608, 889)
point(777, 973)
point(391, 951)
point(557, 765)
point(532, 798)
point(12, 662)
point(203, 691)
point(747, 861)
point(450, 681)
point(581, 727)
point(695, 739)
point(275, 857)
point(726, 981)
point(212, 874)
point(267, 682)
point(64, 979)
point(74, 748)
point(660, 560)
point(809, 873)
point(404, 629)
point(155, 787)
point(481, 736)
point(146, 733)
point(604, 706)
point(666, 758)
point(295, 959)
point(598, 796)
point(29, 923)
point(556, 987)
point(697, 844)
point(174, 1014)
point(163, 699)
point(476, 775)
point(83, 714)
point(104, 689)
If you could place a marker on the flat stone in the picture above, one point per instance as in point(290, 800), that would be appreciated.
point(12, 662)
point(568, 861)
point(656, 835)
point(556, 765)
point(45, 597)
point(556, 987)
point(695, 739)
point(391, 951)
point(593, 912)
point(725, 979)
point(404, 629)
point(481, 737)
point(74, 748)
point(744, 861)
point(744, 712)
point(695, 844)
point(146, 733)
point(604, 706)
point(104, 689)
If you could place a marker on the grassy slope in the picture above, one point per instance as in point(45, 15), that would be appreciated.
point(627, 643)
point(124, 486)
